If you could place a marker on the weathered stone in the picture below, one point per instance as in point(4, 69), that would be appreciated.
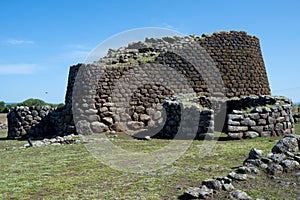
point(278, 127)
point(108, 120)
point(98, 127)
point(267, 160)
point(246, 170)
point(234, 123)
point(91, 111)
point(198, 192)
point(83, 127)
point(236, 135)
point(251, 134)
point(238, 194)
point(237, 128)
point(139, 109)
point(274, 169)
point(157, 115)
point(212, 184)
point(237, 112)
point(248, 122)
point(289, 165)
point(286, 144)
point(280, 119)
point(271, 120)
point(135, 125)
point(278, 157)
point(238, 177)
point(227, 187)
point(254, 116)
point(258, 129)
point(265, 134)
point(235, 116)
point(255, 153)
point(252, 162)
point(261, 122)
point(103, 109)
point(144, 117)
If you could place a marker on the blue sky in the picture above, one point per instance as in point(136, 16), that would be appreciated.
point(39, 40)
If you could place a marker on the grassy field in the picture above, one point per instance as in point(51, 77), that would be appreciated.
point(70, 172)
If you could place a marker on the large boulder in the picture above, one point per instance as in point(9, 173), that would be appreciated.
point(289, 143)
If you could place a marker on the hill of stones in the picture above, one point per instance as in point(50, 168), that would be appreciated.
point(196, 85)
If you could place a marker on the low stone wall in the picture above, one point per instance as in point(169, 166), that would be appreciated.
point(182, 118)
point(34, 121)
point(259, 117)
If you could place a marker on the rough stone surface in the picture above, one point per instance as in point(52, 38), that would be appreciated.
point(288, 143)
point(238, 177)
point(238, 194)
point(198, 192)
point(275, 169)
point(255, 153)
point(212, 184)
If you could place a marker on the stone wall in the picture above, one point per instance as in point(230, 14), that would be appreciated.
point(259, 117)
point(229, 64)
point(126, 89)
point(186, 121)
point(34, 121)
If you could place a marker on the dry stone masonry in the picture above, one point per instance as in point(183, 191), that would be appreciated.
point(259, 117)
point(34, 121)
point(134, 89)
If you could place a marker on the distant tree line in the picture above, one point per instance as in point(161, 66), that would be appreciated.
point(4, 108)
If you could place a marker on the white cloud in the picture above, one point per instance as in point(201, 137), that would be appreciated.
point(18, 69)
point(18, 42)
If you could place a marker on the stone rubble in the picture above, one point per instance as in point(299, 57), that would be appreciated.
point(285, 158)
point(3, 126)
point(56, 141)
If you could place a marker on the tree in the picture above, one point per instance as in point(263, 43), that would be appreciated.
point(2, 106)
point(32, 102)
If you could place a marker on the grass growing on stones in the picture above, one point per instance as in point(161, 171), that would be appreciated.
point(70, 172)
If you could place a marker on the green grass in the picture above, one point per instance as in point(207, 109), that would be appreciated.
point(70, 172)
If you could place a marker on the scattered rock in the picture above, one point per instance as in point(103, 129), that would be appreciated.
point(288, 143)
point(238, 194)
point(198, 192)
point(212, 184)
point(275, 169)
point(255, 153)
point(277, 158)
point(148, 137)
point(246, 170)
point(286, 183)
point(69, 139)
point(289, 165)
point(238, 177)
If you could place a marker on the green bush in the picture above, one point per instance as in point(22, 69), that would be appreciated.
point(29, 102)
point(33, 102)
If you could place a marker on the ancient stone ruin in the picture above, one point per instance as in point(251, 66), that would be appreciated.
point(184, 87)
